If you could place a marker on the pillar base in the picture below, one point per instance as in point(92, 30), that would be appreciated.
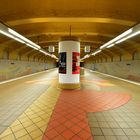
point(82, 71)
point(68, 86)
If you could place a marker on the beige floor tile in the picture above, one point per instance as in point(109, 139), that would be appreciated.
point(5, 133)
point(26, 137)
point(20, 133)
point(17, 128)
point(36, 133)
point(9, 137)
point(31, 128)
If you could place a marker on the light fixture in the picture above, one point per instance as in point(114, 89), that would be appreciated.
point(19, 40)
point(117, 38)
point(45, 52)
point(23, 38)
point(96, 52)
point(11, 36)
point(51, 55)
point(122, 37)
point(16, 36)
point(32, 46)
point(130, 36)
point(6, 34)
point(110, 46)
point(86, 56)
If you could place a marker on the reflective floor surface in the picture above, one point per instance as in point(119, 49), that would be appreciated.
point(104, 108)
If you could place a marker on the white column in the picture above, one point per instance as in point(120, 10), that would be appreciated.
point(69, 63)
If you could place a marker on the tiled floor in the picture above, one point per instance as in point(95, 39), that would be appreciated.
point(103, 109)
point(16, 96)
point(33, 122)
point(71, 110)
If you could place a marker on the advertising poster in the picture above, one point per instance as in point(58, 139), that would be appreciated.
point(75, 63)
point(62, 62)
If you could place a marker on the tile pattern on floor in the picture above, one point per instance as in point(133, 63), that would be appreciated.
point(121, 123)
point(17, 96)
point(115, 125)
point(69, 118)
point(33, 122)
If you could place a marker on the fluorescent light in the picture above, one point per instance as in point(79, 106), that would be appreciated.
point(134, 34)
point(123, 34)
point(23, 38)
point(35, 45)
point(86, 56)
point(17, 34)
point(117, 38)
point(120, 41)
point(96, 52)
point(19, 40)
point(53, 56)
point(41, 51)
point(103, 46)
point(110, 46)
point(45, 52)
point(32, 46)
point(6, 34)
point(130, 36)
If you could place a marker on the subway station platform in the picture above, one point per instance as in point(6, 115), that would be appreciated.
point(104, 108)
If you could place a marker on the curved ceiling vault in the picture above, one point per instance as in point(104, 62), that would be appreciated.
point(95, 22)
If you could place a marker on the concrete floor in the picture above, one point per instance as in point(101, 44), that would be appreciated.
point(103, 109)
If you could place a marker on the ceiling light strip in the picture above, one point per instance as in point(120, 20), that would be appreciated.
point(32, 46)
point(23, 38)
point(128, 37)
point(29, 43)
point(6, 34)
point(19, 40)
point(16, 36)
point(110, 46)
point(117, 38)
point(96, 52)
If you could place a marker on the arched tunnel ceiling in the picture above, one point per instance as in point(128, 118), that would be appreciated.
point(95, 22)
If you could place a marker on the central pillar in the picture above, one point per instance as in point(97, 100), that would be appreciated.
point(69, 63)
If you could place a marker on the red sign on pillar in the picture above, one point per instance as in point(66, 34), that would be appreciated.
point(75, 63)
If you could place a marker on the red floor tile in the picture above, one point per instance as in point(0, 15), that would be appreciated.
point(82, 124)
point(52, 133)
point(60, 128)
point(75, 120)
point(61, 120)
point(69, 117)
point(68, 134)
point(68, 124)
point(75, 129)
point(75, 138)
point(84, 135)
point(59, 138)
